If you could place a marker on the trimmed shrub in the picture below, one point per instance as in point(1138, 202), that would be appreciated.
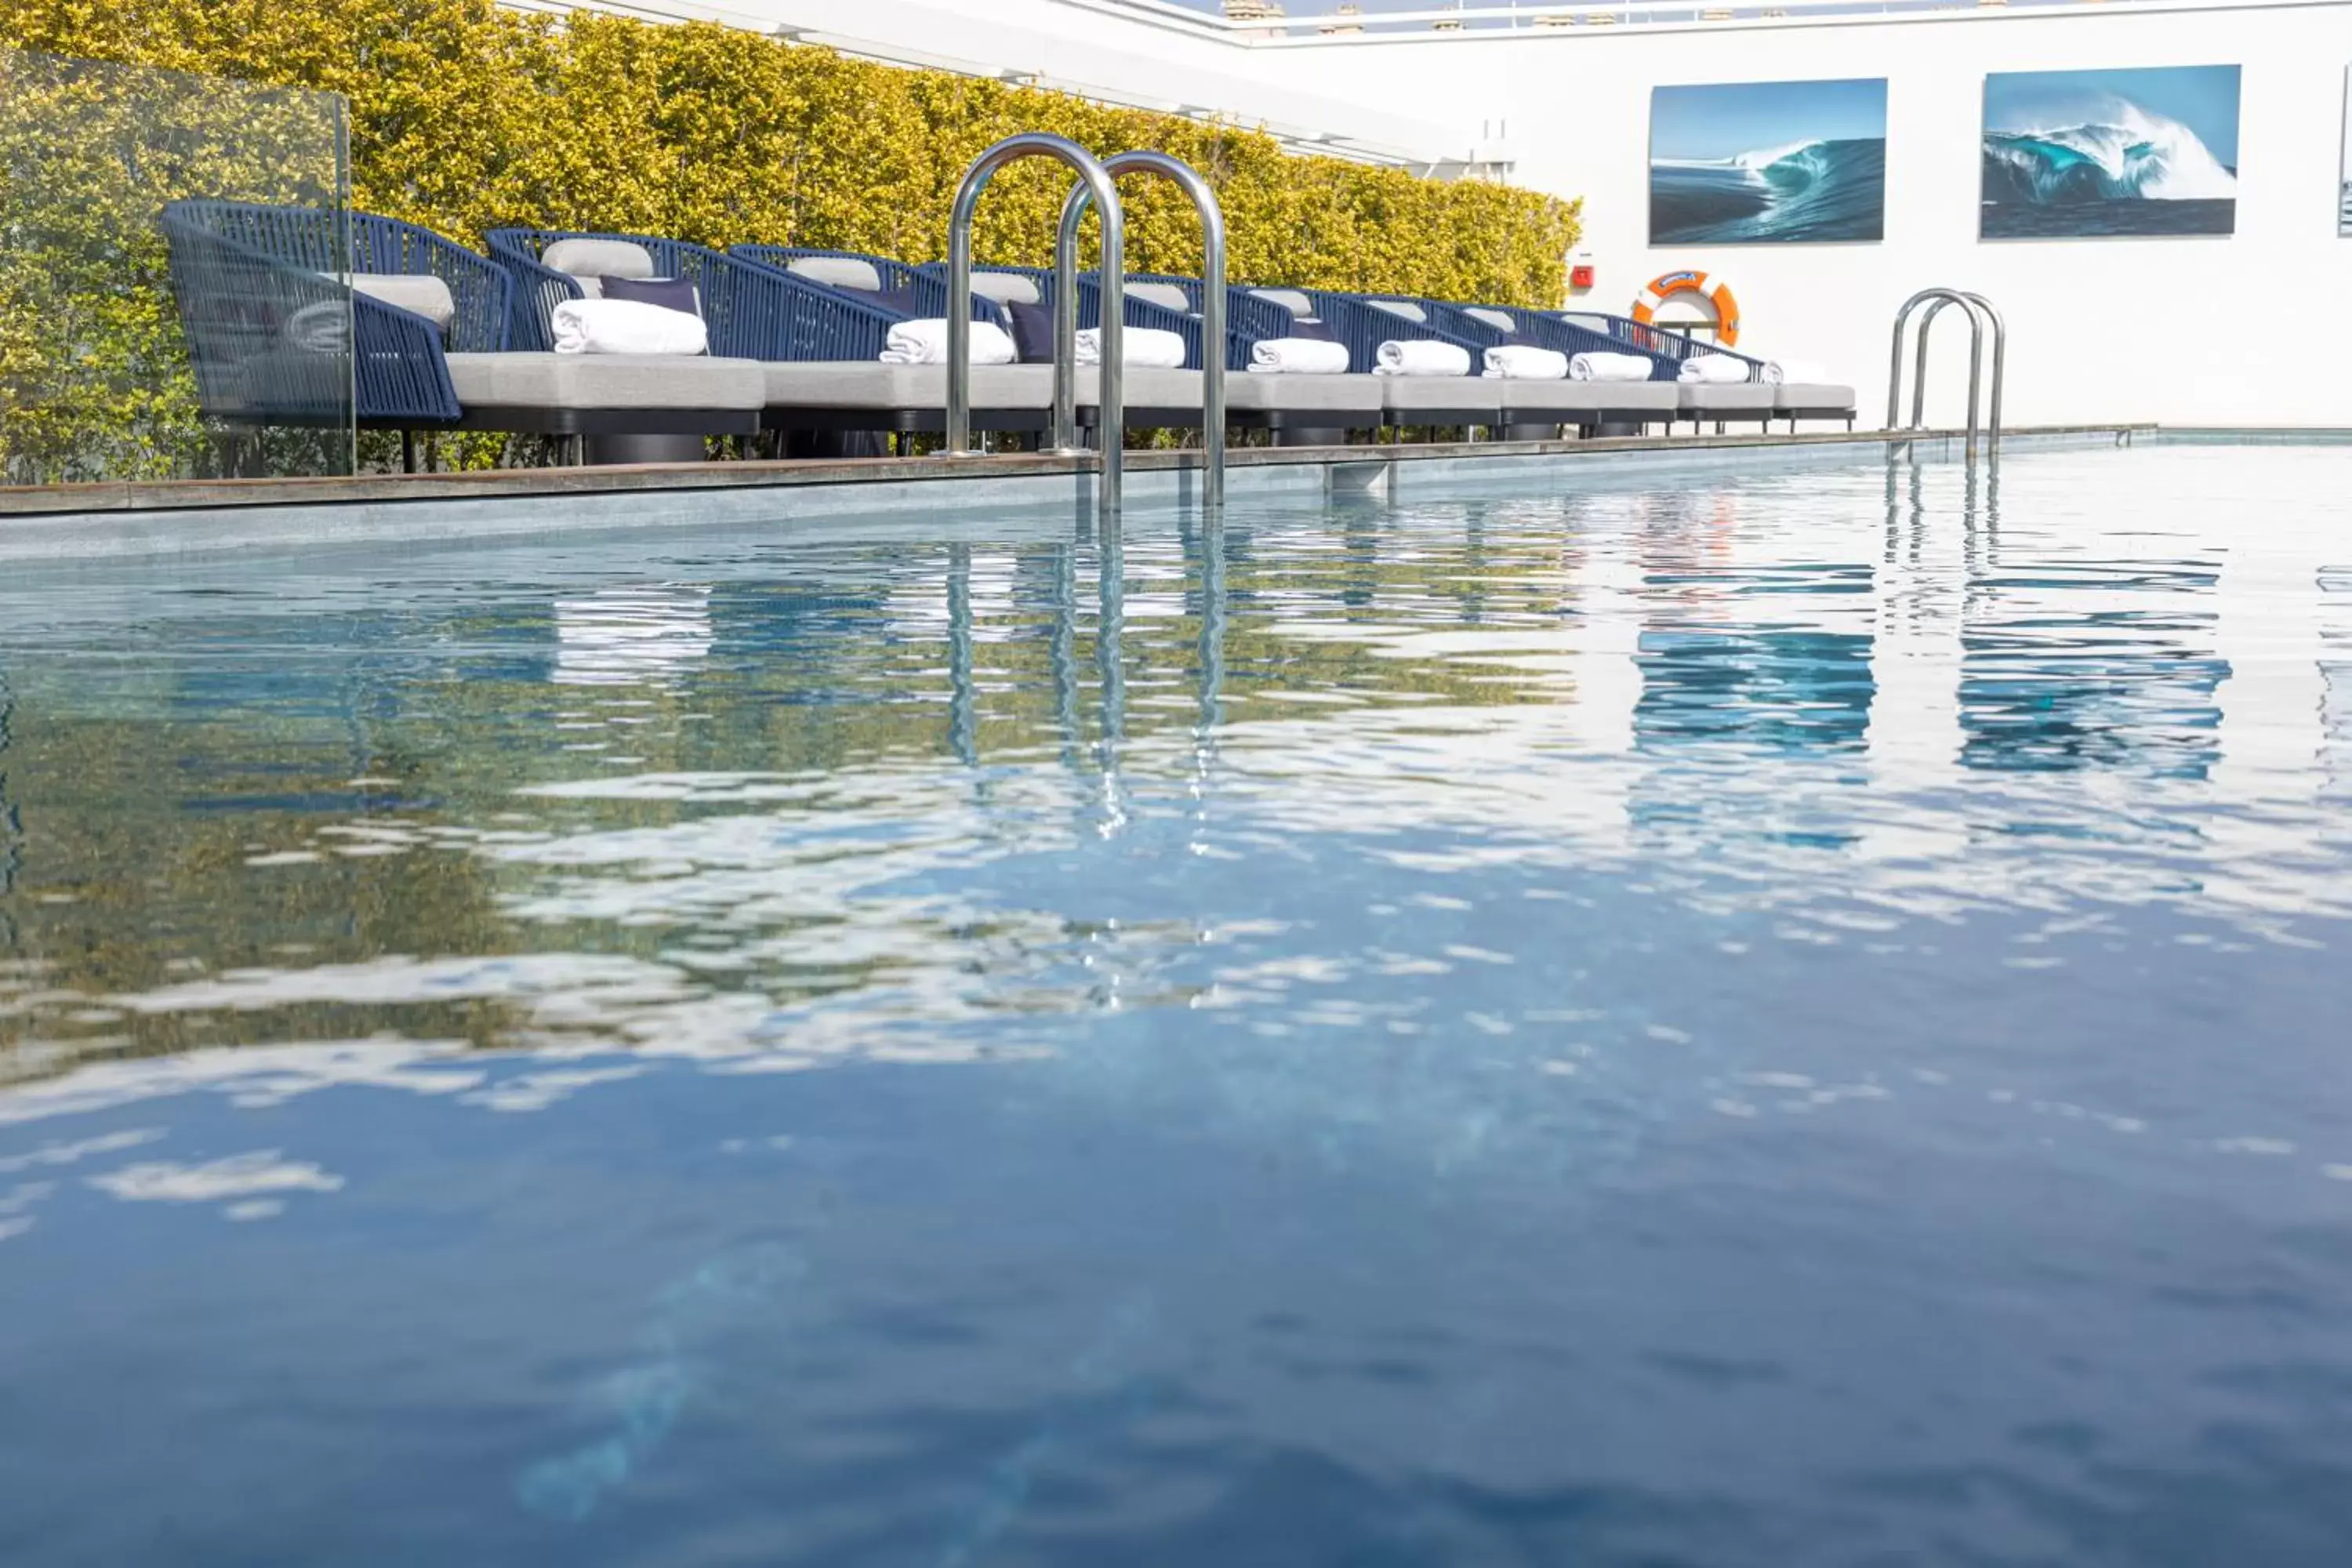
point(465, 117)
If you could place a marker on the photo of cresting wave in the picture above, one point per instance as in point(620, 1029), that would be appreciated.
point(1766, 163)
point(2099, 153)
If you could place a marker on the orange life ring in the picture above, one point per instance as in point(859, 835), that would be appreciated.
point(1727, 304)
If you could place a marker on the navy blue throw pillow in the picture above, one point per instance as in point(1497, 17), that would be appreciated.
point(670, 293)
point(1032, 332)
point(1312, 329)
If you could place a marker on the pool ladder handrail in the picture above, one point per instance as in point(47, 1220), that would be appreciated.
point(1213, 308)
point(1095, 179)
point(1980, 313)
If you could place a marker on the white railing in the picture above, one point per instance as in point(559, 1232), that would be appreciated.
point(1323, 22)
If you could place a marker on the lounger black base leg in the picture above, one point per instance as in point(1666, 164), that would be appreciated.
point(408, 451)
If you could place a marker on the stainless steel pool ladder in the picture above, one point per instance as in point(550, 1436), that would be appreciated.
point(1213, 308)
point(1980, 314)
point(1097, 180)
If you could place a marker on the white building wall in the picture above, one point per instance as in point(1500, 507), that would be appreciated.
point(2248, 330)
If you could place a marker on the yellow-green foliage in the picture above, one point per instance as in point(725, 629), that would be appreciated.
point(465, 117)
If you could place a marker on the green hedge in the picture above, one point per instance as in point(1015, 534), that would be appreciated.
point(465, 117)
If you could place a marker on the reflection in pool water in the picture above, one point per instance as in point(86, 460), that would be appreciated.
point(1783, 1018)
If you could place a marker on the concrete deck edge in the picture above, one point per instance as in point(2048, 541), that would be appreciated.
point(64, 524)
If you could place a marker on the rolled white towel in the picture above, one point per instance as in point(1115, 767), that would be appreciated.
point(926, 343)
point(1713, 367)
point(1526, 361)
point(626, 327)
point(1423, 357)
point(1298, 356)
point(1154, 348)
point(1782, 372)
point(1610, 367)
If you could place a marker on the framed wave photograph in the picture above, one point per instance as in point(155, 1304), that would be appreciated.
point(1769, 163)
point(2086, 155)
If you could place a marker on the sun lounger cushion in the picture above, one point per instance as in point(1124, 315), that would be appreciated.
point(1722, 397)
point(1499, 320)
point(838, 272)
point(605, 381)
point(1406, 308)
point(1005, 287)
point(586, 261)
point(1407, 395)
point(1813, 395)
point(421, 292)
point(1572, 397)
point(862, 384)
point(1245, 392)
point(1166, 295)
point(1290, 299)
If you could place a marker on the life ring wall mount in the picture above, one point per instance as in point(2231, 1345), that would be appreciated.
point(1665, 285)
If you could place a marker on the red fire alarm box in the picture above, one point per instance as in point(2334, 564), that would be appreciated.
point(1579, 275)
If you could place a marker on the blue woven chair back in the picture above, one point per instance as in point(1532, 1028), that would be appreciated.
point(242, 271)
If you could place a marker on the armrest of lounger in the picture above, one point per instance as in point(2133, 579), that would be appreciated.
point(399, 374)
point(536, 290)
point(482, 290)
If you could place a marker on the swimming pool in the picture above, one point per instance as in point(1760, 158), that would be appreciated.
point(1762, 1015)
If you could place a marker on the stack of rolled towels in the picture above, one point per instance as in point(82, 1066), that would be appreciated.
point(1297, 356)
point(926, 343)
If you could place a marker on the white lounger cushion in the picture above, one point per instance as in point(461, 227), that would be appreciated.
point(1404, 308)
point(605, 381)
point(1163, 294)
point(1811, 395)
point(1245, 393)
point(1440, 394)
point(838, 272)
point(586, 261)
point(1725, 396)
point(1589, 397)
point(419, 291)
point(1290, 299)
point(1499, 320)
point(861, 384)
point(1007, 287)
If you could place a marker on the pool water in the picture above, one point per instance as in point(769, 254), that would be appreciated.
point(1792, 1014)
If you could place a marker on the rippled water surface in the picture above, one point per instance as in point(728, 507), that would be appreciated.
point(1786, 1017)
